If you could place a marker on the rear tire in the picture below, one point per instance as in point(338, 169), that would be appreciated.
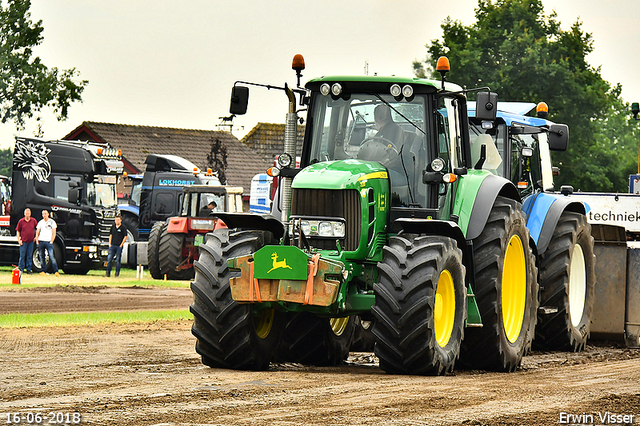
point(231, 335)
point(152, 249)
point(308, 339)
point(170, 256)
point(131, 223)
point(506, 291)
point(420, 305)
point(363, 338)
point(567, 275)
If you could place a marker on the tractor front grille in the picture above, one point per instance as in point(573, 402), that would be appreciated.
point(330, 203)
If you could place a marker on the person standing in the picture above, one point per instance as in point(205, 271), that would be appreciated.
point(26, 233)
point(45, 236)
point(117, 238)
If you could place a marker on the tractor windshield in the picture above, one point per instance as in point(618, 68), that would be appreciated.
point(203, 204)
point(495, 147)
point(374, 127)
point(364, 126)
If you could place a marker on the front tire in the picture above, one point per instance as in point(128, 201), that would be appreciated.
point(308, 339)
point(363, 338)
point(231, 335)
point(567, 275)
point(152, 249)
point(420, 305)
point(170, 247)
point(506, 291)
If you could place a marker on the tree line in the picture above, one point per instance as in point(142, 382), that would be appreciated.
point(525, 55)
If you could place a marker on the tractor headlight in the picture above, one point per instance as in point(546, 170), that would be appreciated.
point(437, 165)
point(306, 227)
point(336, 89)
point(338, 229)
point(284, 160)
point(323, 228)
point(325, 89)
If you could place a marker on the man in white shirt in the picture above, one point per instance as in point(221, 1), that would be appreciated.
point(45, 236)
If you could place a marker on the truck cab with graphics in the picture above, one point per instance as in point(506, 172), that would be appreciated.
point(76, 182)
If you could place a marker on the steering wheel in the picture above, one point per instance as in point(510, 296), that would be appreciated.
point(377, 148)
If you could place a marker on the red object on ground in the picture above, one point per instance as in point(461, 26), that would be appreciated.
point(16, 277)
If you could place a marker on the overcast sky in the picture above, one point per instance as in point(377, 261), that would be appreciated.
point(173, 63)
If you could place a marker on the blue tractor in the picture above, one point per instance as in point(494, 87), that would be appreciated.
point(517, 147)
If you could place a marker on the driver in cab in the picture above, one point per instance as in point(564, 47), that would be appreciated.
point(385, 125)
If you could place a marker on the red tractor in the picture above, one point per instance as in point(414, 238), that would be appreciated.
point(173, 245)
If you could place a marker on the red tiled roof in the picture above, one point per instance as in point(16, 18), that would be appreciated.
point(194, 145)
point(268, 139)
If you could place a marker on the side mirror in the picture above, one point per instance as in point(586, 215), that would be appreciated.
point(74, 195)
point(239, 100)
point(487, 106)
point(558, 137)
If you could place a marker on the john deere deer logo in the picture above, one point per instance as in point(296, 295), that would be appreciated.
point(278, 264)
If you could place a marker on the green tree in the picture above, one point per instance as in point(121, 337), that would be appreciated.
point(6, 162)
point(26, 84)
point(525, 55)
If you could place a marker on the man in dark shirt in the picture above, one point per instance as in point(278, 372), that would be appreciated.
point(26, 232)
point(117, 238)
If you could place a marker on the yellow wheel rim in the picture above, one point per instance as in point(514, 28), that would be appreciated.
point(444, 310)
point(514, 288)
point(338, 325)
point(263, 321)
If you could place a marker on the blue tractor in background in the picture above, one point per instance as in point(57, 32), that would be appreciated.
point(129, 206)
point(517, 147)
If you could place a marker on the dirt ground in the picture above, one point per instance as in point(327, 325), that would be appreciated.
point(149, 374)
point(70, 298)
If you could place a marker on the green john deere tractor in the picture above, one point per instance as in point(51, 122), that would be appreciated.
point(386, 221)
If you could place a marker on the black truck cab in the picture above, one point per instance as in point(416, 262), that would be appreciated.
point(76, 182)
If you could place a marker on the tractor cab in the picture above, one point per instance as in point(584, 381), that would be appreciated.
point(175, 247)
point(518, 146)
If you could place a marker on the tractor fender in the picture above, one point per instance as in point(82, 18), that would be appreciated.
point(178, 225)
point(262, 222)
point(439, 227)
point(489, 189)
point(543, 212)
point(134, 210)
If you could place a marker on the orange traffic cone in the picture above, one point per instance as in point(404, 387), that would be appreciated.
point(16, 277)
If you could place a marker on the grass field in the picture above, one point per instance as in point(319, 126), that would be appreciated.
point(127, 278)
point(87, 318)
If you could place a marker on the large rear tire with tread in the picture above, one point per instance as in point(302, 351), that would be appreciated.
point(506, 290)
point(131, 223)
point(152, 249)
point(567, 281)
point(231, 335)
point(312, 340)
point(420, 305)
point(170, 256)
point(363, 338)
